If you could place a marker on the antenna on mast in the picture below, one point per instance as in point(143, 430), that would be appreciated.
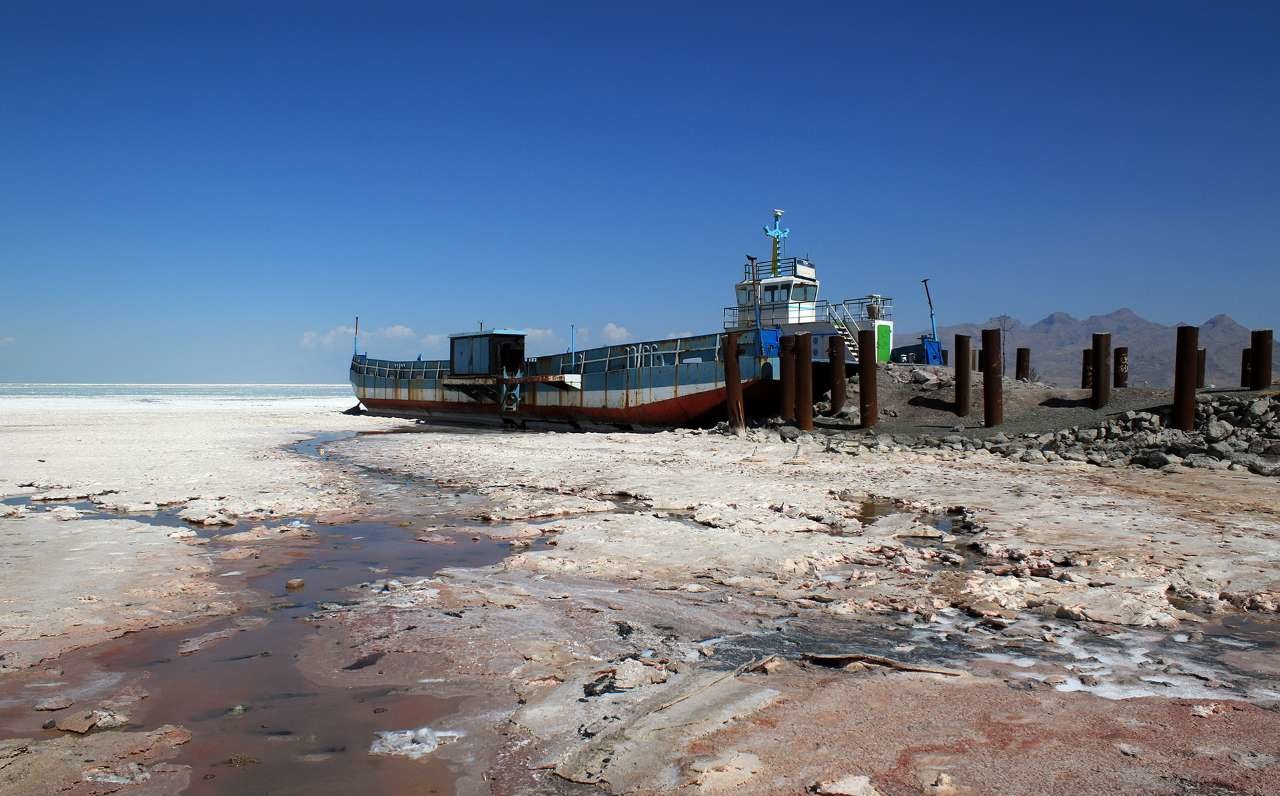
point(355, 339)
point(778, 234)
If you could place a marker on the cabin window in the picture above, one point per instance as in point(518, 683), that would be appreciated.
point(805, 293)
point(744, 296)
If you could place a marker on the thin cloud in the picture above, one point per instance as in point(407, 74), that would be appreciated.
point(615, 333)
point(341, 335)
point(327, 339)
point(397, 332)
point(10, 340)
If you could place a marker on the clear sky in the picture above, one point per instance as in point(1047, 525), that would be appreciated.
point(211, 191)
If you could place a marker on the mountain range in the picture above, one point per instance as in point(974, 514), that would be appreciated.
point(1057, 340)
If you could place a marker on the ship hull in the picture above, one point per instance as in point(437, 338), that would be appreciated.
point(662, 384)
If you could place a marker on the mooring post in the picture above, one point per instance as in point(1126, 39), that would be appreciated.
point(868, 404)
point(963, 376)
point(1184, 378)
point(835, 355)
point(1122, 367)
point(1022, 371)
point(1086, 369)
point(1261, 345)
point(1101, 369)
point(733, 384)
point(1200, 363)
point(992, 381)
point(804, 382)
point(787, 375)
point(982, 360)
point(1246, 367)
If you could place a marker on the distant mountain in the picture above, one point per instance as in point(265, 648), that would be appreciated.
point(1057, 340)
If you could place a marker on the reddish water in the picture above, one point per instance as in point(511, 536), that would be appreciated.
point(289, 736)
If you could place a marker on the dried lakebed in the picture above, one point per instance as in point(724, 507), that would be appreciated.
point(658, 630)
point(237, 713)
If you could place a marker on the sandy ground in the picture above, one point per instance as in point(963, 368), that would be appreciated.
point(689, 612)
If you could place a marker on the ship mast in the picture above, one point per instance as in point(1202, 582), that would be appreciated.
point(778, 234)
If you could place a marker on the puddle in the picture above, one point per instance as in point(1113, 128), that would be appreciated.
point(258, 725)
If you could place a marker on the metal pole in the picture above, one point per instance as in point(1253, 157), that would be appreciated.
point(982, 359)
point(1101, 369)
point(733, 384)
point(868, 402)
point(1122, 367)
point(1261, 345)
point(1023, 366)
point(1184, 378)
point(1086, 369)
point(787, 409)
point(973, 361)
point(804, 382)
point(835, 354)
point(992, 382)
point(1201, 356)
point(963, 375)
point(1246, 367)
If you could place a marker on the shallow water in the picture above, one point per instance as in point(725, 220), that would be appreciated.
point(258, 725)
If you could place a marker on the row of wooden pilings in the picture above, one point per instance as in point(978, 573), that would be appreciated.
point(1099, 371)
point(795, 360)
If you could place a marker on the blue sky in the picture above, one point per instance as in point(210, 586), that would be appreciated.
point(210, 192)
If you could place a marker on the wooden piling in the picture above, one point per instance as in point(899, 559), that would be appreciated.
point(1261, 346)
point(1201, 356)
point(733, 384)
point(836, 355)
point(1246, 367)
point(963, 375)
point(1086, 369)
point(1022, 370)
point(992, 381)
point(804, 382)
point(1122, 367)
point(1101, 369)
point(1184, 378)
point(787, 375)
point(868, 402)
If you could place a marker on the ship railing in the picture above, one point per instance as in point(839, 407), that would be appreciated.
point(855, 313)
point(764, 268)
point(657, 353)
point(393, 369)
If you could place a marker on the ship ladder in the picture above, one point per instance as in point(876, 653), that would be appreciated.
point(845, 325)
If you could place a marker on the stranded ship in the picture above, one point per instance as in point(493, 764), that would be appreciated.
point(673, 382)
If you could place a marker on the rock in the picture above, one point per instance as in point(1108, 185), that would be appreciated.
point(262, 533)
point(631, 673)
point(413, 744)
point(1218, 430)
point(79, 723)
point(53, 703)
point(108, 719)
point(725, 772)
point(850, 785)
point(1128, 750)
point(197, 643)
point(293, 584)
point(64, 513)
